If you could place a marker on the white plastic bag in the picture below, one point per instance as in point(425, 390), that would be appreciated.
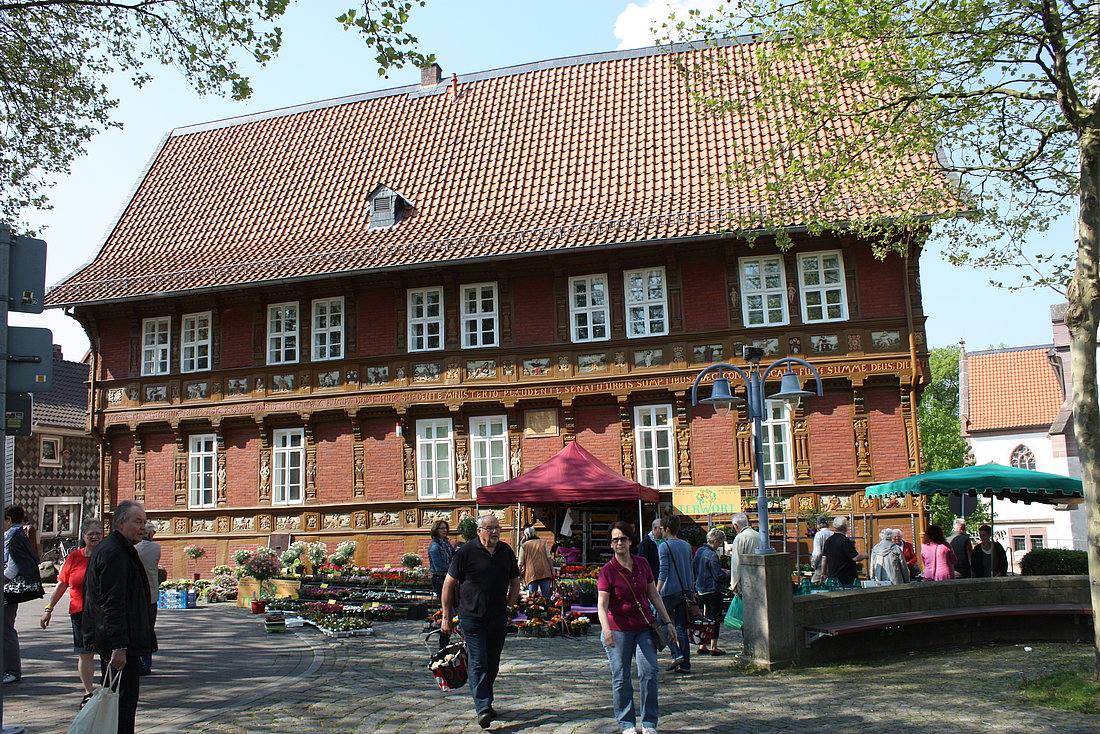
point(100, 714)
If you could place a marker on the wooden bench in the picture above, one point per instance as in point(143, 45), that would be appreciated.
point(815, 632)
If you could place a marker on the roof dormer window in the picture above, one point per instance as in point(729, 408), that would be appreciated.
point(386, 207)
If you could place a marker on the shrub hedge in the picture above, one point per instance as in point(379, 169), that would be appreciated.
point(1046, 561)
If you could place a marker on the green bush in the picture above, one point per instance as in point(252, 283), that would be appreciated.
point(1047, 561)
point(467, 528)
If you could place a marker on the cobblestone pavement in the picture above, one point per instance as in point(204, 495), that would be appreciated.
point(220, 674)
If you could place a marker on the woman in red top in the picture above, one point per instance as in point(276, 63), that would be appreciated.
point(72, 578)
point(626, 589)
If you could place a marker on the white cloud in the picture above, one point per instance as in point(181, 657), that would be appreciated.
point(635, 25)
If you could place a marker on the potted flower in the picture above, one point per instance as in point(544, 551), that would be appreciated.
point(317, 554)
point(194, 552)
point(292, 556)
point(586, 592)
point(412, 560)
point(263, 565)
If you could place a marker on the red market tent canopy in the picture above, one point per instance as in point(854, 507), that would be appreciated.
point(571, 476)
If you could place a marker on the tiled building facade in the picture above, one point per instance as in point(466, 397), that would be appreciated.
point(340, 320)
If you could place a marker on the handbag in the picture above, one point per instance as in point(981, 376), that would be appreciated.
point(100, 714)
point(656, 629)
point(19, 590)
point(690, 600)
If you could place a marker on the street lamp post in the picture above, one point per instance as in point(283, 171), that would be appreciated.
point(790, 390)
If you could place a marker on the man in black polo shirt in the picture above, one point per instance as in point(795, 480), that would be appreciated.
point(839, 554)
point(485, 574)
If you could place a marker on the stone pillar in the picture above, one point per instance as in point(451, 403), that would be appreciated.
point(768, 610)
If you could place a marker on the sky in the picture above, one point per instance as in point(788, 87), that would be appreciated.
point(320, 60)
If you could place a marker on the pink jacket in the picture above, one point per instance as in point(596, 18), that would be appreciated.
point(939, 562)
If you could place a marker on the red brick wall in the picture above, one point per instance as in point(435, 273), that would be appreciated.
point(704, 288)
point(712, 447)
point(122, 469)
point(114, 343)
point(335, 470)
point(242, 466)
point(888, 453)
point(382, 455)
point(381, 552)
point(830, 423)
point(376, 311)
point(881, 283)
point(236, 336)
point(538, 450)
point(533, 311)
point(598, 432)
point(160, 453)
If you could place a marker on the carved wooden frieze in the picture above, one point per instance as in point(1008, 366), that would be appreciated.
point(357, 456)
point(912, 442)
point(264, 484)
point(626, 437)
point(861, 433)
point(462, 459)
point(408, 458)
point(105, 484)
point(359, 520)
point(139, 468)
point(180, 477)
point(311, 459)
point(743, 442)
point(222, 524)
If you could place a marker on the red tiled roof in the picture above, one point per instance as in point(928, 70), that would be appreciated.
point(562, 154)
point(1012, 389)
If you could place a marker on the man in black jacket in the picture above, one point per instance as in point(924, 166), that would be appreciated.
point(647, 549)
point(117, 623)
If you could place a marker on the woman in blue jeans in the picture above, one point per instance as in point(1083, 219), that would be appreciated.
point(673, 579)
point(626, 589)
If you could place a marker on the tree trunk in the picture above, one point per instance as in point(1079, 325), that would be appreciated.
point(1082, 318)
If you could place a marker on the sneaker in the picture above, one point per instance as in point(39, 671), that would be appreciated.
point(649, 730)
point(10, 678)
point(631, 730)
point(703, 651)
point(676, 663)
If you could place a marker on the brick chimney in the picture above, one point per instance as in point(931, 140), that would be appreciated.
point(57, 355)
point(431, 75)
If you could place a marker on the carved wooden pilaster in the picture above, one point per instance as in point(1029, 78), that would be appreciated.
point(569, 420)
point(179, 482)
point(912, 431)
point(683, 439)
point(462, 454)
point(861, 432)
point(139, 467)
point(743, 441)
point(105, 503)
point(219, 486)
point(357, 456)
point(515, 443)
point(800, 432)
point(408, 457)
point(626, 436)
point(264, 484)
point(311, 457)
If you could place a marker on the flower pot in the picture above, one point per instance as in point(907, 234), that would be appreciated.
point(195, 577)
point(258, 606)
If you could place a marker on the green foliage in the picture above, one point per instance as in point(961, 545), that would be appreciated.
point(1068, 690)
point(467, 528)
point(1046, 561)
point(56, 57)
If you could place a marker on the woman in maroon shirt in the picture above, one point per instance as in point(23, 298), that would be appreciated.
point(626, 589)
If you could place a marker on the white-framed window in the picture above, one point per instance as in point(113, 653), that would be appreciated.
point(653, 446)
point(1022, 458)
point(488, 451)
point(328, 329)
point(288, 457)
point(282, 333)
point(425, 319)
point(195, 342)
point(479, 315)
point(776, 438)
point(589, 311)
point(156, 341)
point(435, 453)
point(821, 281)
point(763, 291)
point(646, 303)
point(49, 451)
point(60, 516)
point(202, 475)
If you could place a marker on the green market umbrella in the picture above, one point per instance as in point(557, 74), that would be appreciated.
point(987, 480)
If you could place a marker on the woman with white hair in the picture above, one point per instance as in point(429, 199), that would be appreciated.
point(535, 564)
point(887, 562)
point(710, 579)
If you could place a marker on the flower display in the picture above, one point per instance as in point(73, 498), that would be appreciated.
point(194, 552)
point(262, 565)
point(412, 560)
point(292, 556)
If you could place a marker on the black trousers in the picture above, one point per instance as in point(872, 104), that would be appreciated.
point(127, 692)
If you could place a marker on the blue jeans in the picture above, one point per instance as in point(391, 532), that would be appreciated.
point(622, 690)
point(542, 586)
point(677, 612)
point(485, 642)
